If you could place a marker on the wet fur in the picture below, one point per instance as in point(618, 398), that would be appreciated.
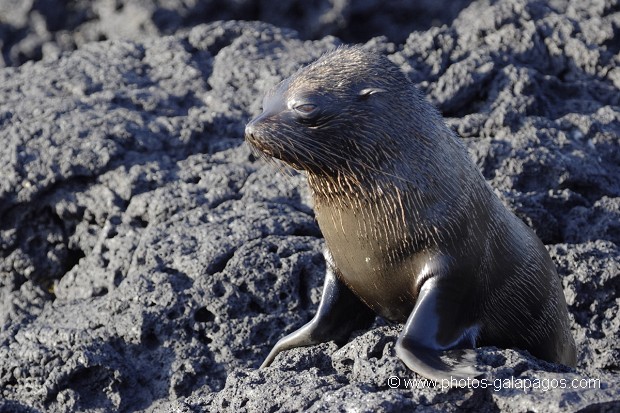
point(400, 202)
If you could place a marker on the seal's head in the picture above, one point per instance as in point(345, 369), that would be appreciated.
point(344, 114)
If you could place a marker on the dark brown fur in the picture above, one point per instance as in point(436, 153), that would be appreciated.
point(400, 202)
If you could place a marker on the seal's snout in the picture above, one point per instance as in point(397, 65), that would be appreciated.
point(255, 137)
point(249, 130)
point(252, 131)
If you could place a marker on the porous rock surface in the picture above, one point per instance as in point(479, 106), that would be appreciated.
point(148, 261)
point(32, 29)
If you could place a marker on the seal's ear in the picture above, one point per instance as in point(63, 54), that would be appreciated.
point(369, 91)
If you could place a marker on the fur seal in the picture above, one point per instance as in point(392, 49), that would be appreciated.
point(413, 231)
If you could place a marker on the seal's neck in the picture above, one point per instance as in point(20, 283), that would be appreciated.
point(343, 190)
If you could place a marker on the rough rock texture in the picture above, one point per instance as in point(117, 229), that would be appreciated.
point(148, 262)
point(30, 29)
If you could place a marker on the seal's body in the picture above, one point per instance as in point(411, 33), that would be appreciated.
point(413, 231)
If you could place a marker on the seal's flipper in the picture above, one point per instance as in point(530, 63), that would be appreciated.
point(340, 312)
point(452, 367)
point(433, 353)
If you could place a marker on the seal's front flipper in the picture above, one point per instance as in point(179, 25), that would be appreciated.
point(432, 343)
point(340, 312)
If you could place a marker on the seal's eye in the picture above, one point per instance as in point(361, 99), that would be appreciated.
point(369, 91)
point(305, 109)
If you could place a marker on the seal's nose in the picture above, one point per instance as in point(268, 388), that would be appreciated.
point(250, 130)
